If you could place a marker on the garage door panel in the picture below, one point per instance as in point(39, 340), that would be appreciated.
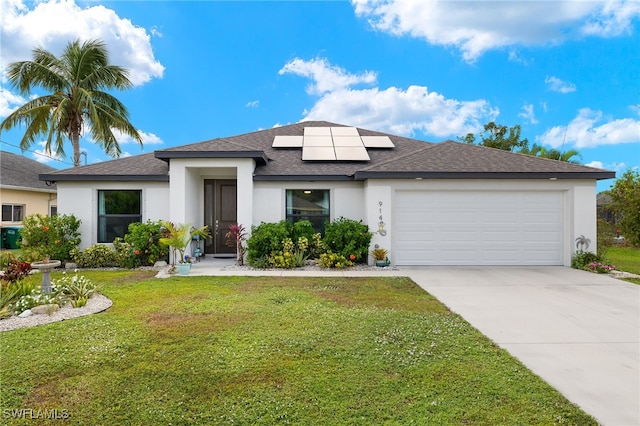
point(478, 228)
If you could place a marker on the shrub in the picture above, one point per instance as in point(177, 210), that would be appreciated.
point(348, 237)
point(333, 260)
point(582, 258)
point(15, 270)
point(77, 290)
point(96, 256)
point(265, 239)
point(12, 291)
point(53, 236)
point(303, 229)
point(144, 240)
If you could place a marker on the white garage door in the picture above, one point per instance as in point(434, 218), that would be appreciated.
point(478, 228)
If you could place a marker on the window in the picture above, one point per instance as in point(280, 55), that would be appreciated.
point(116, 210)
point(12, 212)
point(53, 210)
point(312, 205)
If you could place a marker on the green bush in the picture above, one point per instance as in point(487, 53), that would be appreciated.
point(348, 237)
point(53, 236)
point(96, 256)
point(144, 240)
point(265, 239)
point(583, 258)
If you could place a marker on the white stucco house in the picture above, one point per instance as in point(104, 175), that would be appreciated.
point(445, 203)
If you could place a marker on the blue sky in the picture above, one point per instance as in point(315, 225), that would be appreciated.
point(567, 71)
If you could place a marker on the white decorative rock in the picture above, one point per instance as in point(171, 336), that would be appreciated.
point(70, 265)
point(25, 314)
point(160, 264)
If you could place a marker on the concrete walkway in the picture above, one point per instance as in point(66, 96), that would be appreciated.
point(579, 331)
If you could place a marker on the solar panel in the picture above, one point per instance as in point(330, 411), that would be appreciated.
point(317, 131)
point(344, 131)
point(317, 141)
point(333, 143)
point(287, 142)
point(347, 141)
point(318, 153)
point(351, 153)
point(377, 142)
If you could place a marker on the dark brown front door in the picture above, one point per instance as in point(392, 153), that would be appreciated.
point(220, 211)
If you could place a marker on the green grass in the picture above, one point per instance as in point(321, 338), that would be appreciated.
point(263, 351)
point(625, 259)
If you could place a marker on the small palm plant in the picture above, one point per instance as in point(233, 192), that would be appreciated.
point(179, 236)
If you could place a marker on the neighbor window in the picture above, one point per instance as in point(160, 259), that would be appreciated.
point(116, 210)
point(53, 210)
point(309, 204)
point(12, 212)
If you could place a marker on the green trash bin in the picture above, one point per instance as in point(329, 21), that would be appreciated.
point(11, 237)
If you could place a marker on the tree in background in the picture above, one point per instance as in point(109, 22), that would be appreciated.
point(500, 137)
point(625, 197)
point(509, 139)
point(76, 82)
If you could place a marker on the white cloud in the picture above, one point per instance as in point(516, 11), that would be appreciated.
point(9, 102)
point(528, 113)
point(52, 24)
point(616, 167)
point(585, 131)
point(612, 18)
point(394, 110)
point(557, 85)
point(253, 104)
point(596, 164)
point(147, 138)
point(42, 156)
point(325, 77)
point(475, 27)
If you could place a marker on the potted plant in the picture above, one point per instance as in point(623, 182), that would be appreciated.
point(380, 256)
point(178, 237)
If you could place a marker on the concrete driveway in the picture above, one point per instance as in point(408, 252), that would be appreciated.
point(579, 331)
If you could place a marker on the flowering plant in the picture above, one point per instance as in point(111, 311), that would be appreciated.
point(599, 267)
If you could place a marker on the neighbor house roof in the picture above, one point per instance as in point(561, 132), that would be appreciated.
point(409, 158)
point(22, 173)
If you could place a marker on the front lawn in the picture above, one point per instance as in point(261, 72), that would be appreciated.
point(625, 259)
point(262, 350)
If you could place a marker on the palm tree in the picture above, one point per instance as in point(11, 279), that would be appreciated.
point(554, 154)
point(76, 82)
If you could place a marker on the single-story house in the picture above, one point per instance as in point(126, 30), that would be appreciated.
point(22, 192)
point(445, 203)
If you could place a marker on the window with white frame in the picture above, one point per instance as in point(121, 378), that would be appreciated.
point(116, 210)
point(12, 212)
point(309, 204)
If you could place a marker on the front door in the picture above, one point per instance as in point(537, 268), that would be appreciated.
point(220, 211)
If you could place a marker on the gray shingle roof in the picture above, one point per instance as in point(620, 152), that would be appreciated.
point(138, 167)
point(409, 159)
point(22, 172)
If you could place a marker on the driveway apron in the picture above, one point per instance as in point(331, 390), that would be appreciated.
point(579, 331)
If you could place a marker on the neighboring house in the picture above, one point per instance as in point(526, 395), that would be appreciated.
point(603, 201)
point(445, 203)
point(22, 193)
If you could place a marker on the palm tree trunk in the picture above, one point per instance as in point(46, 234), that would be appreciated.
point(75, 142)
